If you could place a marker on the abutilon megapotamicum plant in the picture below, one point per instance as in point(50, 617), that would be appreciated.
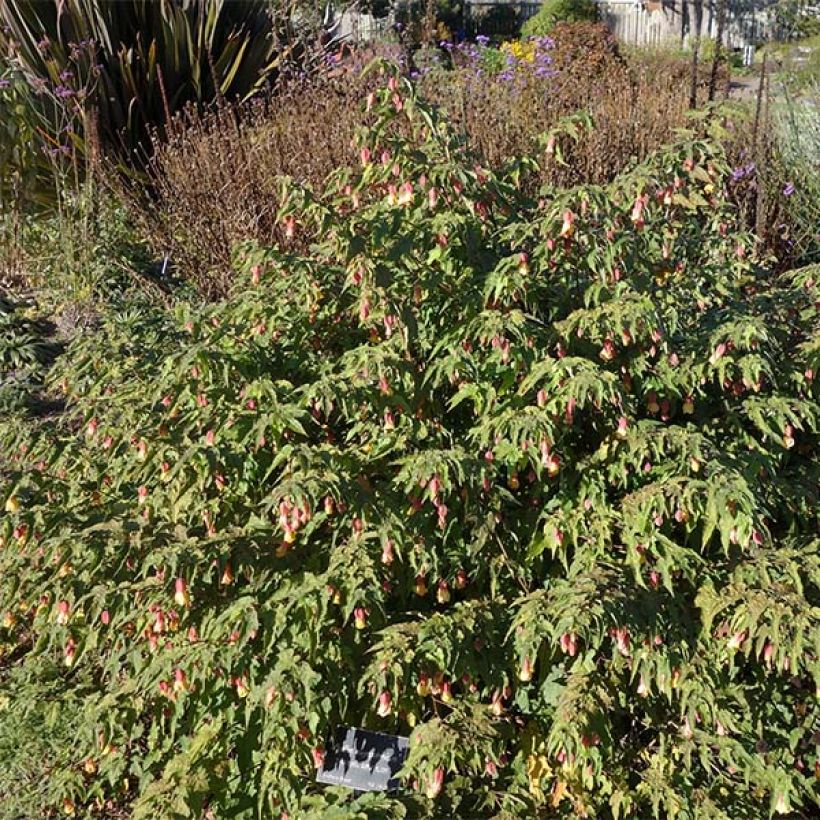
point(531, 480)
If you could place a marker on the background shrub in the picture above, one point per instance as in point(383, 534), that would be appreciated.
point(559, 11)
point(585, 49)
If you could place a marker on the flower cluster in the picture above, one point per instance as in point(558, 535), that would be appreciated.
point(513, 60)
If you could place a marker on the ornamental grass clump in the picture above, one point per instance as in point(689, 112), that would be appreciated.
point(529, 479)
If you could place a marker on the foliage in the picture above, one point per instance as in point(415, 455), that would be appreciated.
point(559, 11)
point(534, 478)
point(798, 64)
point(25, 353)
point(147, 58)
point(776, 162)
point(794, 19)
point(19, 157)
point(795, 176)
point(83, 254)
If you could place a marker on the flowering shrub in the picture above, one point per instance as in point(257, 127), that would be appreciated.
point(533, 479)
point(514, 59)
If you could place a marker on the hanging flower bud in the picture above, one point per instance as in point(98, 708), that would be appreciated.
point(637, 216)
point(63, 612)
point(423, 686)
point(621, 635)
point(569, 644)
point(788, 437)
point(443, 592)
point(180, 681)
point(567, 226)
point(405, 196)
point(364, 309)
point(360, 617)
point(385, 704)
point(387, 553)
point(526, 670)
point(717, 353)
point(181, 596)
point(227, 575)
point(435, 783)
point(421, 585)
point(737, 639)
point(69, 652)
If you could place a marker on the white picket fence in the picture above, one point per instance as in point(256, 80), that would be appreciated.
point(653, 23)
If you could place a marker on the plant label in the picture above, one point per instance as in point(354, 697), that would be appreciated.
point(363, 760)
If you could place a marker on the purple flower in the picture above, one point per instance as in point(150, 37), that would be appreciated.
point(482, 40)
point(788, 190)
point(4, 83)
point(63, 92)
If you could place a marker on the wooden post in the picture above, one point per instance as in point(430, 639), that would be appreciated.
point(721, 19)
point(693, 86)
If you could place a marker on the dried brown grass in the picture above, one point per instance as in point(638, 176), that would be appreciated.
point(213, 183)
point(635, 103)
